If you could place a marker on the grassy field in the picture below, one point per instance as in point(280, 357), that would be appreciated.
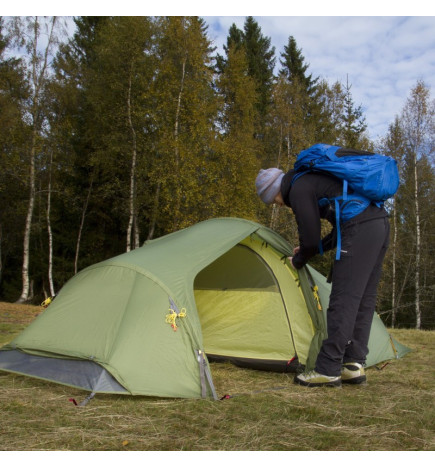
point(267, 412)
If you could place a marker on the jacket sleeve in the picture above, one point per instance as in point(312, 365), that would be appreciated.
point(303, 202)
point(329, 242)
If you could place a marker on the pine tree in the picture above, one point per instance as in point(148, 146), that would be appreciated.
point(294, 67)
point(353, 122)
point(185, 111)
point(236, 166)
point(331, 99)
point(234, 40)
point(319, 121)
point(261, 62)
point(76, 71)
point(119, 94)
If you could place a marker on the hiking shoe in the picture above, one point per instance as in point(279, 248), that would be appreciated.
point(353, 373)
point(314, 379)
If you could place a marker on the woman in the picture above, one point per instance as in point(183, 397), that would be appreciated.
point(355, 277)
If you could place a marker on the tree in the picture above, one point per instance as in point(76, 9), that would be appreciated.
point(236, 165)
point(393, 145)
point(235, 41)
point(261, 62)
point(121, 99)
point(353, 122)
point(76, 70)
point(294, 67)
point(13, 134)
point(185, 111)
point(27, 33)
point(331, 99)
point(418, 118)
point(292, 118)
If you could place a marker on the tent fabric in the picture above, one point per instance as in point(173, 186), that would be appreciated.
point(144, 322)
point(82, 374)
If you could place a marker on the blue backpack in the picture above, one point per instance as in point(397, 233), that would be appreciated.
point(373, 178)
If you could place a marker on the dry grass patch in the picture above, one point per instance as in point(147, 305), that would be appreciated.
point(394, 411)
point(14, 318)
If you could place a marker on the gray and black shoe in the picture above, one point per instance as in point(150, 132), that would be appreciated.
point(353, 373)
point(314, 379)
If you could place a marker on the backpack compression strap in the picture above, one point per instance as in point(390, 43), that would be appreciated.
point(340, 201)
point(346, 207)
point(337, 200)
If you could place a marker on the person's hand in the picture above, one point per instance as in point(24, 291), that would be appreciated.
point(295, 251)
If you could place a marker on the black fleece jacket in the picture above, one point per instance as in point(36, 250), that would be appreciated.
point(303, 199)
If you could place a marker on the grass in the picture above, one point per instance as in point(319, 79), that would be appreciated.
point(267, 412)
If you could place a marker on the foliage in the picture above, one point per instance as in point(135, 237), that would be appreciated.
point(237, 163)
point(261, 62)
point(136, 128)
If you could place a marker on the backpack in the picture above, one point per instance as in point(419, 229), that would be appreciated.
point(373, 178)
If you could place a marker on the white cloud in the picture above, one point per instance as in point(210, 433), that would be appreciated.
point(382, 56)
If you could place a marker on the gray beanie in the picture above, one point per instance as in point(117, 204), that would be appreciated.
point(268, 184)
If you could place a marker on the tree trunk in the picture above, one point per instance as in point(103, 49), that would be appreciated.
point(28, 226)
point(154, 216)
point(1, 264)
point(417, 248)
point(136, 233)
point(275, 208)
point(132, 221)
point(393, 279)
point(82, 223)
point(38, 77)
point(177, 204)
point(50, 234)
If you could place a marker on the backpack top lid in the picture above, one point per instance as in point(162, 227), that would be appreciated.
point(372, 175)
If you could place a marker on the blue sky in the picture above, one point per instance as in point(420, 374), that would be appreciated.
point(382, 55)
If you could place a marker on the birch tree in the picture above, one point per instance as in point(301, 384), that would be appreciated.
point(125, 68)
point(39, 38)
point(394, 145)
point(418, 119)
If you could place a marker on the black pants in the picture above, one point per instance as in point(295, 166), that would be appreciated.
point(352, 302)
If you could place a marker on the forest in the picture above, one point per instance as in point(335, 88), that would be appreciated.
point(135, 127)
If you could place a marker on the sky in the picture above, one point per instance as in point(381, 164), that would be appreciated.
point(382, 57)
point(382, 49)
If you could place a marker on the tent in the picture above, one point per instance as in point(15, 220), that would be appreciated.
point(147, 322)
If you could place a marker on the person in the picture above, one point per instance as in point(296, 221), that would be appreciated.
point(355, 276)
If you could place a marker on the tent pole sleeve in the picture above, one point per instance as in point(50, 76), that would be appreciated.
point(87, 399)
point(201, 373)
point(209, 379)
point(204, 373)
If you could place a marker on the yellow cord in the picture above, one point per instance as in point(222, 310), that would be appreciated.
point(171, 318)
point(47, 302)
point(316, 296)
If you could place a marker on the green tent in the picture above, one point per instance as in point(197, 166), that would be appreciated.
point(147, 322)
